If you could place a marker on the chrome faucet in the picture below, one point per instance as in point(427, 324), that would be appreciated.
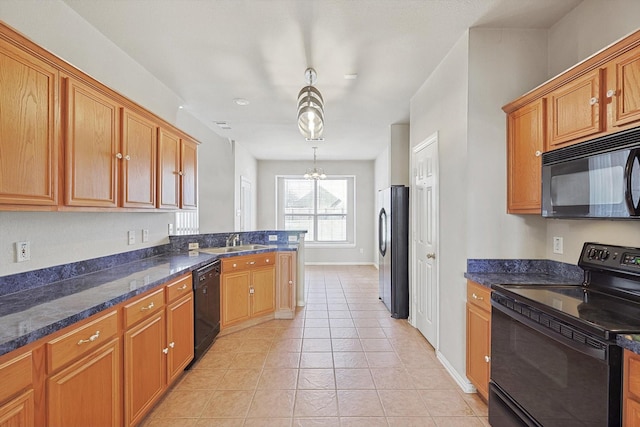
point(233, 240)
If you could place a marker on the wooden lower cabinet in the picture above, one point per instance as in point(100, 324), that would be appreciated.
point(88, 393)
point(478, 358)
point(179, 336)
point(247, 288)
point(631, 389)
point(286, 285)
point(18, 412)
point(144, 366)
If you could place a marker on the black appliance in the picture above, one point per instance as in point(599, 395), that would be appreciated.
point(554, 358)
point(206, 287)
point(594, 179)
point(393, 248)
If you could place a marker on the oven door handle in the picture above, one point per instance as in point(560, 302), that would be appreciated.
point(633, 208)
point(600, 354)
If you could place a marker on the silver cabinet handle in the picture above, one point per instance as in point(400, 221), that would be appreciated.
point(92, 338)
point(180, 173)
point(611, 93)
point(165, 350)
point(476, 297)
point(251, 263)
point(251, 291)
point(267, 261)
point(538, 153)
point(593, 101)
point(487, 359)
point(127, 157)
point(172, 344)
point(119, 156)
point(291, 282)
point(183, 287)
point(149, 307)
point(431, 256)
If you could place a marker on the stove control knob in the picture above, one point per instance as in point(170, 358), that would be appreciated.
point(592, 253)
point(604, 255)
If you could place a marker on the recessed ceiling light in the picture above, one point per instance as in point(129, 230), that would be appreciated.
point(181, 107)
point(241, 101)
point(223, 125)
point(351, 76)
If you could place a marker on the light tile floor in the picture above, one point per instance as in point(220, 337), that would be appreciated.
point(343, 361)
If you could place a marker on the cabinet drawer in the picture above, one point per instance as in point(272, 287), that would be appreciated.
point(248, 261)
point(16, 375)
point(80, 341)
point(179, 287)
point(479, 295)
point(143, 307)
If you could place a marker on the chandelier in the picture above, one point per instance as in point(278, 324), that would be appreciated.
point(310, 108)
point(315, 172)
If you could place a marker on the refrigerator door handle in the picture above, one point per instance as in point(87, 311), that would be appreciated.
point(382, 232)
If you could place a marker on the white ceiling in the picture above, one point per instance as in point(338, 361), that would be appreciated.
point(211, 51)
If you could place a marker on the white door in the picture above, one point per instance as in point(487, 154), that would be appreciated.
point(245, 204)
point(424, 187)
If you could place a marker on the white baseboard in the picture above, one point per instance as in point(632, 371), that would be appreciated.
point(340, 263)
point(461, 380)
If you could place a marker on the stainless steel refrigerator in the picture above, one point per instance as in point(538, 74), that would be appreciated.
point(393, 249)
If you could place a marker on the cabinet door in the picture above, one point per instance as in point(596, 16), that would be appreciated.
point(139, 146)
point(627, 90)
point(168, 170)
point(189, 175)
point(525, 143)
point(286, 286)
point(28, 130)
point(574, 110)
point(179, 336)
point(263, 282)
point(88, 393)
point(91, 147)
point(145, 361)
point(479, 348)
point(234, 298)
point(18, 412)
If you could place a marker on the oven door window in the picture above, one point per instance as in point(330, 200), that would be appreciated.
point(557, 385)
point(590, 187)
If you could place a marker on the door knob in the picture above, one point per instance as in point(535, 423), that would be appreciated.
point(431, 255)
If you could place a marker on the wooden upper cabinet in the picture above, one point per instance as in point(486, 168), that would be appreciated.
point(525, 143)
point(625, 93)
point(189, 174)
point(139, 150)
point(91, 147)
point(574, 110)
point(177, 171)
point(29, 149)
point(168, 170)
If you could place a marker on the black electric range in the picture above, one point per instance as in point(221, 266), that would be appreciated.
point(554, 361)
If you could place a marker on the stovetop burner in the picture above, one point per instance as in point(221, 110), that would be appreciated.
point(607, 303)
point(581, 306)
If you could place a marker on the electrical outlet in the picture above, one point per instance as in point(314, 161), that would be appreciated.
point(557, 245)
point(132, 237)
point(293, 238)
point(194, 245)
point(273, 237)
point(145, 235)
point(23, 251)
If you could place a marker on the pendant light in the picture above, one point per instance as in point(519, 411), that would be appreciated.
point(315, 173)
point(310, 108)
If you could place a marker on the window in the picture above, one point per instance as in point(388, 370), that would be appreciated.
point(324, 208)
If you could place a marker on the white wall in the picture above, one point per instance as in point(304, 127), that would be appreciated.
point(365, 205)
point(503, 64)
point(588, 28)
point(399, 153)
point(247, 167)
point(440, 105)
point(62, 237)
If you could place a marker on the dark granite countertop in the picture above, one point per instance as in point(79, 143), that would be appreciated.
point(522, 272)
point(629, 342)
point(32, 313)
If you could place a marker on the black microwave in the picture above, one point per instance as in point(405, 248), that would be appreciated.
point(594, 179)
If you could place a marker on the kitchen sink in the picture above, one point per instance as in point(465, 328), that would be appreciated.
point(232, 249)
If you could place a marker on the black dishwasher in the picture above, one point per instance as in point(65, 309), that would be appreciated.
point(206, 286)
